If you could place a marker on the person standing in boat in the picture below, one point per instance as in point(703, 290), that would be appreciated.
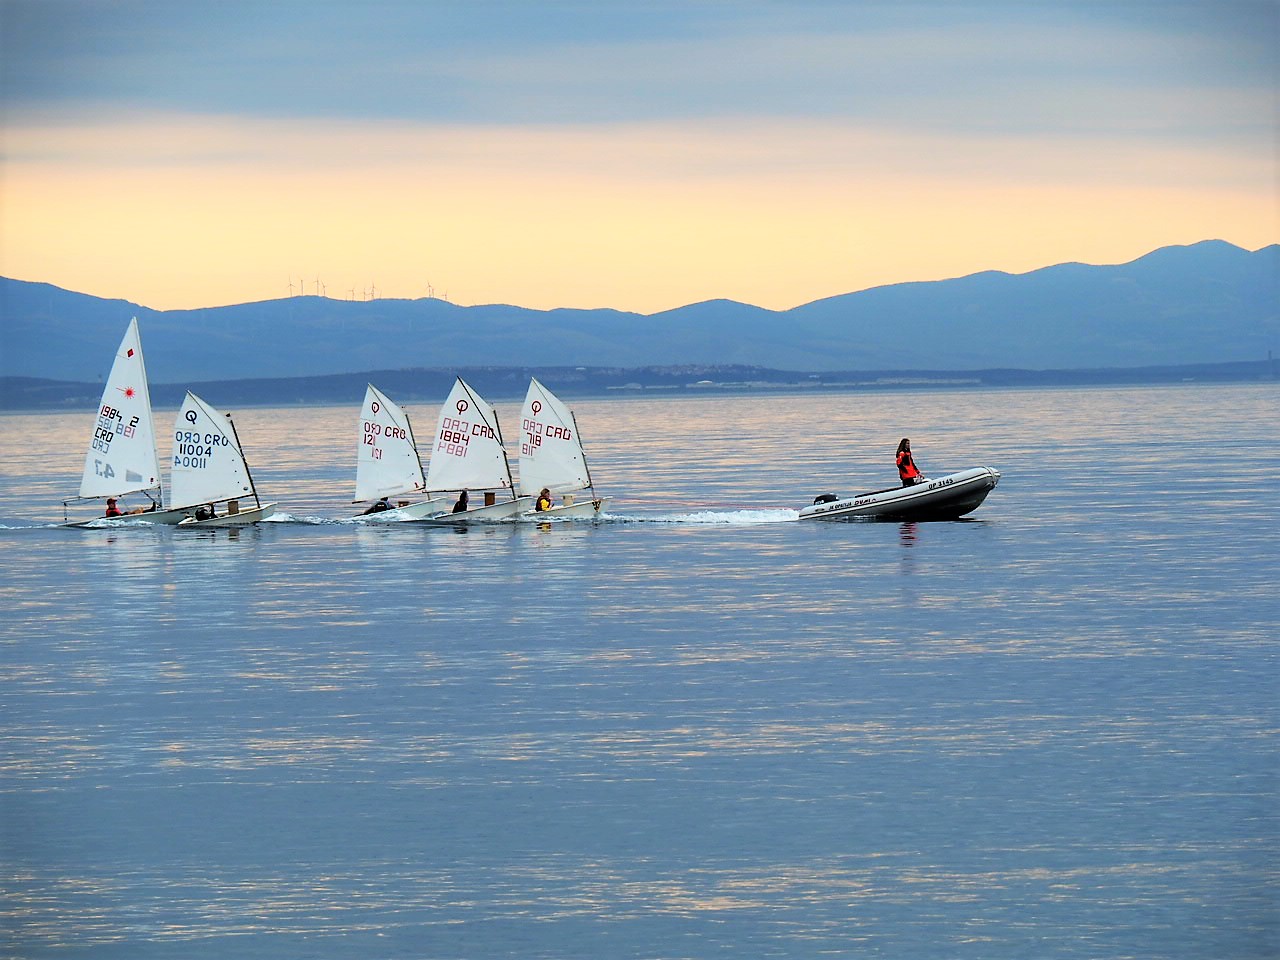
point(907, 469)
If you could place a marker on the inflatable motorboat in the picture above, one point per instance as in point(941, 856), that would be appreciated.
point(945, 498)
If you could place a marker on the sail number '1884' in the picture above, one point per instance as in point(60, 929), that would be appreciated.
point(455, 436)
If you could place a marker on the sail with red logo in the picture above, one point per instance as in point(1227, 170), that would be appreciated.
point(122, 457)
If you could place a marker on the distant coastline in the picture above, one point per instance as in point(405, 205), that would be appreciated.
point(430, 385)
point(1209, 301)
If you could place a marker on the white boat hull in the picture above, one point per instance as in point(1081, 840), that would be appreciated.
point(168, 517)
point(490, 513)
point(582, 510)
point(944, 498)
point(244, 518)
point(419, 510)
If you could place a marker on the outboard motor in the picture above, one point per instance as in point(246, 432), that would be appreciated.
point(825, 498)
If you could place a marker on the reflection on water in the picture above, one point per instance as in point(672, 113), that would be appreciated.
point(694, 729)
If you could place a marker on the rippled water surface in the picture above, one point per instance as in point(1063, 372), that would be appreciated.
point(697, 729)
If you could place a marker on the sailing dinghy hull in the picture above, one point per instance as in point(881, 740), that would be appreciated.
point(946, 498)
point(166, 517)
point(499, 512)
point(584, 510)
point(244, 518)
point(419, 510)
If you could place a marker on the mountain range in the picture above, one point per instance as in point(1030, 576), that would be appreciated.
point(1207, 302)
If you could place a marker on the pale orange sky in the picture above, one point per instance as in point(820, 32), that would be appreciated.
point(178, 205)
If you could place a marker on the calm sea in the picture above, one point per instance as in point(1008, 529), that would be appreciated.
point(698, 729)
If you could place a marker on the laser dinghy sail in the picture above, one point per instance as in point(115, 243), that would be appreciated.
point(467, 455)
point(551, 456)
point(209, 469)
point(388, 469)
point(122, 455)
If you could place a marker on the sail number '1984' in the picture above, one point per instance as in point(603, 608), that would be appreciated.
point(110, 425)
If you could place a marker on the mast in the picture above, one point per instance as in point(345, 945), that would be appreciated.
point(414, 444)
point(146, 392)
point(253, 487)
point(586, 467)
point(506, 461)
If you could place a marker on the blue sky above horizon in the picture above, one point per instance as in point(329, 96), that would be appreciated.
point(632, 155)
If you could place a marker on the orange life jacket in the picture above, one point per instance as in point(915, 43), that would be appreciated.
point(906, 466)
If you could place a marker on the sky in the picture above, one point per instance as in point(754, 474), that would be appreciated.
point(638, 155)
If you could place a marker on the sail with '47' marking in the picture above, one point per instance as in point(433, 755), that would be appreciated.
point(122, 452)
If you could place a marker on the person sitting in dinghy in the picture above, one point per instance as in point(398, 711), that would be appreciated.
point(206, 512)
point(544, 501)
point(907, 469)
point(461, 505)
point(113, 509)
point(378, 507)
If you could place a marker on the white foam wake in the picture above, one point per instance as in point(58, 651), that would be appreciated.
point(739, 518)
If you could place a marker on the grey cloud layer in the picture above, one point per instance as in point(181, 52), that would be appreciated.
point(1200, 71)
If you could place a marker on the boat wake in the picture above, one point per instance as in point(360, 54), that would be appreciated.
point(739, 518)
point(393, 518)
point(280, 517)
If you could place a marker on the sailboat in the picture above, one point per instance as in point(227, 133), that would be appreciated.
point(467, 455)
point(551, 455)
point(387, 462)
point(122, 451)
point(209, 468)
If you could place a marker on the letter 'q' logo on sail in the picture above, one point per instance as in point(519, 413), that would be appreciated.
point(463, 406)
point(536, 407)
point(191, 416)
point(375, 406)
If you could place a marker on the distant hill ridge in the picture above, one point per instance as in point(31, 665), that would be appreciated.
point(1207, 302)
point(430, 386)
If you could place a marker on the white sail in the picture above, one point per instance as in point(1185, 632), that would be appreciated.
point(467, 452)
point(550, 449)
point(122, 452)
point(208, 466)
point(387, 461)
